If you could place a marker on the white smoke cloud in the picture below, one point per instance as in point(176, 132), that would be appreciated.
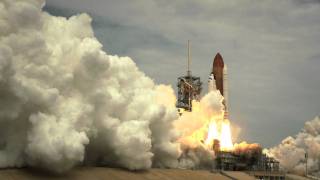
point(291, 151)
point(64, 101)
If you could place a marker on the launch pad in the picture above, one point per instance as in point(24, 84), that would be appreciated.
point(243, 157)
point(250, 160)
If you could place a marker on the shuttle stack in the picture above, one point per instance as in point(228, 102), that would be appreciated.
point(218, 80)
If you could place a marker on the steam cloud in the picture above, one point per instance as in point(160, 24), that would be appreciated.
point(193, 127)
point(64, 101)
point(291, 151)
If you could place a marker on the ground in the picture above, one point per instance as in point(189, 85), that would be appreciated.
point(102, 173)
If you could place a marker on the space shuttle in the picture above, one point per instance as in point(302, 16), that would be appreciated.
point(218, 80)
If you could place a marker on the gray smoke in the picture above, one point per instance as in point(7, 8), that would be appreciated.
point(65, 102)
point(291, 152)
point(197, 157)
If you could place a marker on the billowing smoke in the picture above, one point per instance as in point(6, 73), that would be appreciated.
point(65, 102)
point(291, 153)
point(244, 148)
point(197, 157)
point(194, 126)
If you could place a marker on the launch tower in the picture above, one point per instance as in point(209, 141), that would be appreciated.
point(189, 88)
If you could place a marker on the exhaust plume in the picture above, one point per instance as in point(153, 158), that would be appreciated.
point(197, 134)
point(292, 150)
point(66, 102)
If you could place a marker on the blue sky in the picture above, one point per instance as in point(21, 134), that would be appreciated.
point(271, 49)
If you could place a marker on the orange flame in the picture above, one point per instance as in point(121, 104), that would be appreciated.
point(212, 133)
point(223, 134)
point(204, 125)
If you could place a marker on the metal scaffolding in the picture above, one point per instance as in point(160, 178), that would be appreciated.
point(189, 88)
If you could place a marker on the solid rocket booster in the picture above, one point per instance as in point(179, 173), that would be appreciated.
point(218, 80)
point(225, 91)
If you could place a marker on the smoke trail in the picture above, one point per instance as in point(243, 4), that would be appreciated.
point(291, 151)
point(65, 102)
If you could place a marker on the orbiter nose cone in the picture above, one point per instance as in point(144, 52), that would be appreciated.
point(218, 61)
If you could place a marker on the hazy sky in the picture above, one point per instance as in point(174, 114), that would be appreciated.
point(271, 48)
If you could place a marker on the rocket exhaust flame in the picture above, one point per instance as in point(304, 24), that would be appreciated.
point(223, 135)
point(212, 133)
point(204, 125)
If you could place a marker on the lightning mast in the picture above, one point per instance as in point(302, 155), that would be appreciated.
point(188, 71)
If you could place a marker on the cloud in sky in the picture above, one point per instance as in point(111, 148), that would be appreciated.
point(271, 48)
